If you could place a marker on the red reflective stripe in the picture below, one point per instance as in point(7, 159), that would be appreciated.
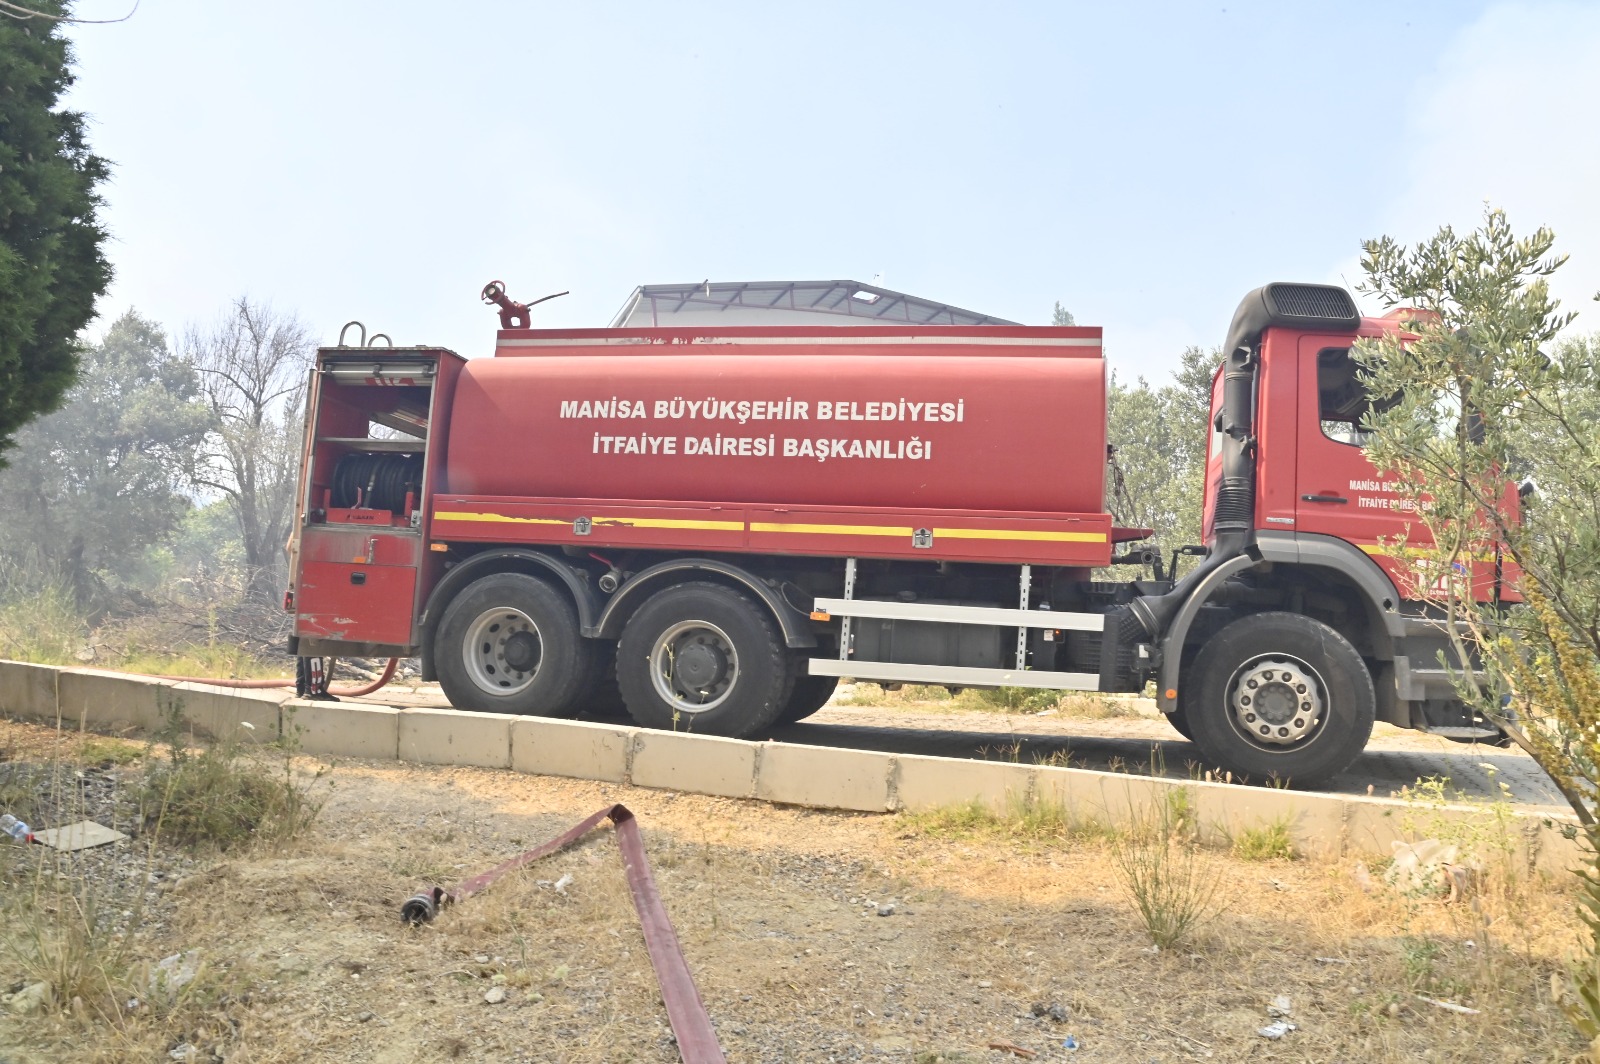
point(691, 1025)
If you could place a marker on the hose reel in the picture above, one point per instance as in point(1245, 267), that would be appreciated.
point(375, 481)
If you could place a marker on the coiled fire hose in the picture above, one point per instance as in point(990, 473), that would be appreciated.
point(265, 685)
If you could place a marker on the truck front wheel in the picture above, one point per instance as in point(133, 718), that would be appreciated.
point(1280, 696)
point(509, 643)
point(701, 657)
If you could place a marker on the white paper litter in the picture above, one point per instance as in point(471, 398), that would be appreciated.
point(83, 835)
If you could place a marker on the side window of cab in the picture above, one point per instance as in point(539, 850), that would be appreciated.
point(1342, 400)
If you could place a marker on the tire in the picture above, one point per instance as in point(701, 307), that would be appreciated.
point(602, 698)
point(700, 657)
point(810, 694)
point(1253, 683)
point(509, 643)
point(1179, 719)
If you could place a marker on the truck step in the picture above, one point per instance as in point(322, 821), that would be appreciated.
point(1433, 626)
point(1450, 732)
point(1433, 677)
point(918, 611)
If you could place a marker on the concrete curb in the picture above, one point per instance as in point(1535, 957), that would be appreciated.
point(1329, 826)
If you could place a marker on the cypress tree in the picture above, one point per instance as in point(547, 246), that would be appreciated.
point(51, 263)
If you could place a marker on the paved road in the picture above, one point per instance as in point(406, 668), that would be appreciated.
point(1393, 759)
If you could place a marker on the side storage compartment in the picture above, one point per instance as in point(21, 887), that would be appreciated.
point(357, 586)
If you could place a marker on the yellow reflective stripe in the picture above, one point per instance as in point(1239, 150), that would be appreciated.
point(662, 522)
point(833, 530)
point(789, 527)
point(633, 522)
point(1378, 550)
point(1009, 533)
point(449, 515)
point(947, 533)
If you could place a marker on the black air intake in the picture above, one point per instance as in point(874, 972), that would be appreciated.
point(1318, 305)
point(1236, 505)
point(1119, 662)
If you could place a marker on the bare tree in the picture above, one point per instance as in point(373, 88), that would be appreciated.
point(253, 365)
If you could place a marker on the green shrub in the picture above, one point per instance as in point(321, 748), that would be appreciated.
point(1172, 883)
point(219, 797)
point(1269, 842)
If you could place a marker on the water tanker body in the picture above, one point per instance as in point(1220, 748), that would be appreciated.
point(843, 421)
point(714, 525)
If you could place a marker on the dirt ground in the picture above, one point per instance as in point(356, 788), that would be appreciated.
point(299, 953)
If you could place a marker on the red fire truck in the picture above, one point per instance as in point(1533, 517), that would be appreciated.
point(725, 521)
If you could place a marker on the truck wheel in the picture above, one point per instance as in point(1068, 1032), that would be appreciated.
point(703, 658)
point(601, 698)
point(1179, 719)
point(810, 694)
point(510, 644)
point(1281, 696)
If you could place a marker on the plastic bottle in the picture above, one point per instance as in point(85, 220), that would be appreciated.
point(10, 825)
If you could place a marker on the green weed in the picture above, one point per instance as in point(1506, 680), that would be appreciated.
point(1269, 842)
point(220, 798)
point(1020, 819)
point(99, 750)
point(1171, 881)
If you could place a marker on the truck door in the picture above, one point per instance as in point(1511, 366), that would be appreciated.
point(1339, 492)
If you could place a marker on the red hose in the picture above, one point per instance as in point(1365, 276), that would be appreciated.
point(263, 685)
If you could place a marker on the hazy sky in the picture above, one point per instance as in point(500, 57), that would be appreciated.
point(1144, 163)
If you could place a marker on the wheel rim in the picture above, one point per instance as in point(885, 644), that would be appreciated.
point(502, 651)
point(1276, 701)
point(694, 666)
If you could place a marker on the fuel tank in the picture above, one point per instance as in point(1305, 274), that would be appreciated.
point(980, 418)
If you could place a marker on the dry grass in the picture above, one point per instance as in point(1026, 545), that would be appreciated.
point(80, 933)
point(221, 796)
point(1022, 821)
point(210, 635)
point(772, 906)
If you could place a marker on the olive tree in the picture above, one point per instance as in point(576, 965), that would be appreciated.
point(1487, 389)
point(1161, 435)
point(97, 484)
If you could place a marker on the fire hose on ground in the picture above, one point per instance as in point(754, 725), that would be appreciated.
point(686, 1012)
point(265, 685)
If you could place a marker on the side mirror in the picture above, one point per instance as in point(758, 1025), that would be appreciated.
point(1527, 488)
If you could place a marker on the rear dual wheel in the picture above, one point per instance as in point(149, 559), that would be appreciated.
point(810, 694)
point(509, 643)
point(700, 657)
